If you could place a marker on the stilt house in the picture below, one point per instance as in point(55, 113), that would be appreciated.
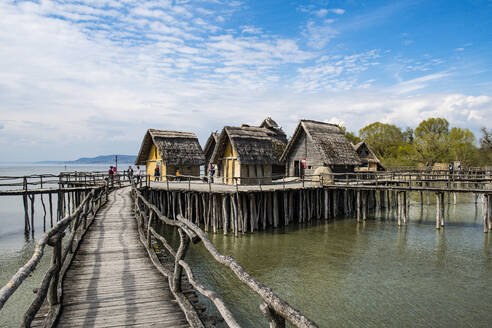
point(209, 150)
point(369, 160)
point(319, 148)
point(249, 155)
point(171, 151)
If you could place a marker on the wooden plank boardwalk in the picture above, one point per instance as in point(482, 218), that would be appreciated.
point(112, 282)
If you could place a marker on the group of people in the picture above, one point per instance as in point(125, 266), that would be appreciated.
point(113, 170)
point(157, 174)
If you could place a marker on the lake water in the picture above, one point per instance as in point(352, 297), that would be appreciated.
point(16, 248)
point(339, 273)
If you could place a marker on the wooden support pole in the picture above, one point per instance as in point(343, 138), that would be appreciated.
point(358, 205)
point(364, 205)
point(275, 210)
point(485, 213)
point(275, 320)
point(56, 243)
point(225, 214)
point(326, 206)
point(405, 207)
point(33, 198)
point(438, 210)
point(286, 208)
point(214, 213)
point(246, 215)
point(442, 209)
point(51, 209)
point(180, 255)
point(240, 211)
point(489, 211)
point(398, 196)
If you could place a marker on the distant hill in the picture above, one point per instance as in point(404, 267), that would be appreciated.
point(104, 159)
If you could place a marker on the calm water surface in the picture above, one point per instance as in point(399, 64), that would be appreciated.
point(340, 273)
point(15, 248)
point(373, 274)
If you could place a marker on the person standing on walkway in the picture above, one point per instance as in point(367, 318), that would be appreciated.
point(157, 173)
point(130, 173)
point(139, 174)
point(211, 171)
point(111, 175)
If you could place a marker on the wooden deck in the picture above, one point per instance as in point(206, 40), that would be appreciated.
point(112, 282)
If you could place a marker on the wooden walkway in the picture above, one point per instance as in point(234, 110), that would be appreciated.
point(112, 282)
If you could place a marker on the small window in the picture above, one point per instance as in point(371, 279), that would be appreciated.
point(310, 167)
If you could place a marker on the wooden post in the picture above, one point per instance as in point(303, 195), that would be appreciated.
point(56, 243)
point(275, 210)
point(51, 209)
point(326, 204)
point(364, 205)
point(225, 214)
point(489, 210)
point(398, 196)
point(275, 320)
point(358, 205)
point(33, 197)
point(180, 255)
point(438, 211)
point(286, 208)
point(485, 213)
point(405, 207)
point(442, 209)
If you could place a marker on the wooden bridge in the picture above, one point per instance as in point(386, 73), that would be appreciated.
point(105, 271)
point(112, 281)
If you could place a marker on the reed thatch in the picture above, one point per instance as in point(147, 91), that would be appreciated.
point(253, 145)
point(329, 140)
point(210, 146)
point(366, 155)
point(174, 147)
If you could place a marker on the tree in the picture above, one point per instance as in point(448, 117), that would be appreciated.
point(462, 145)
point(350, 135)
point(384, 139)
point(486, 139)
point(431, 140)
point(485, 152)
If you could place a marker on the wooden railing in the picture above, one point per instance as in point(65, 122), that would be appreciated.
point(64, 238)
point(275, 309)
point(465, 178)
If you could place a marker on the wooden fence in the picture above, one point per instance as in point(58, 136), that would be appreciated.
point(64, 238)
point(273, 307)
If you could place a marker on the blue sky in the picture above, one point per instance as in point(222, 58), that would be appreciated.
point(88, 77)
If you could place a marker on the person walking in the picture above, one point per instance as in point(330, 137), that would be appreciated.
point(211, 171)
point(130, 173)
point(139, 174)
point(178, 175)
point(157, 173)
point(111, 175)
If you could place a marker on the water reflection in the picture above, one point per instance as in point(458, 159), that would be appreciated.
point(372, 274)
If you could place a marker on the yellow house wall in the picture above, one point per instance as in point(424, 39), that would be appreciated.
point(152, 160)
point(230, 165)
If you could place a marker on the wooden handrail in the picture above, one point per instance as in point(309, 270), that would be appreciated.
point(279, 309)
point(52, 283)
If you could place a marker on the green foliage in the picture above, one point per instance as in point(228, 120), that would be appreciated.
point(462, 145)
point(431, 141)
point(384, 139)
point(352, 137)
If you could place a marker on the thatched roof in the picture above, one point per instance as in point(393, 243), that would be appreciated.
point(328, 139)
point(269, 123)
point(253, 145)
point(366, 154)
point(210, 145)
point(174, 147)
